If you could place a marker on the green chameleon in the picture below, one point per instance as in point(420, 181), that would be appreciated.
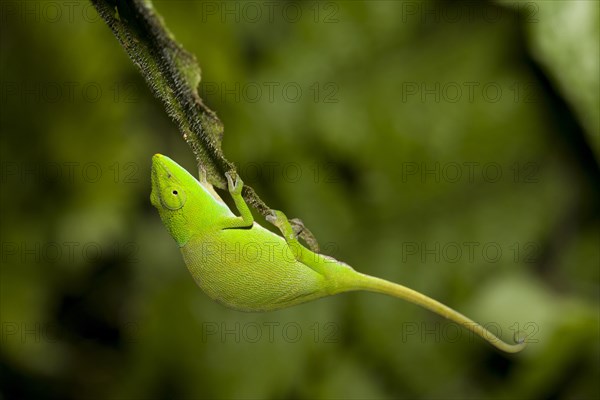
point(246, 267)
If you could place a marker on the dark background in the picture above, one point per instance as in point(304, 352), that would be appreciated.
point(452, 147)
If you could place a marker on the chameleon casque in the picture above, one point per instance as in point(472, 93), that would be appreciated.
point(246, 267)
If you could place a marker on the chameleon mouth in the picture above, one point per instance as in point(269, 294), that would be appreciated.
point(165, 173)
point(159, 174)
point(164, 167)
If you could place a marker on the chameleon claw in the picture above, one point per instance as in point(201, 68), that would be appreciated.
point(234, 187)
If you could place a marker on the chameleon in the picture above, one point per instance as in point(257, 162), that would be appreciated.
point(246, 267)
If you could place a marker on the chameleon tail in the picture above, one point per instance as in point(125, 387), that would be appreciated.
point(377, 285)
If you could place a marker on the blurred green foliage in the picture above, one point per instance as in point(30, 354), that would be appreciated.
point(422, 130)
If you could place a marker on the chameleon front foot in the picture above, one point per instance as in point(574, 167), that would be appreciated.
point(234, 186)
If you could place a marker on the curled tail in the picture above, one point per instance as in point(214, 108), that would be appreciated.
point(373, 284)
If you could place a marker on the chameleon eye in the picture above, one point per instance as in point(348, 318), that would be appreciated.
point(173, 199)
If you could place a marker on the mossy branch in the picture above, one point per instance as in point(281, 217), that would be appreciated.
point(173, 75)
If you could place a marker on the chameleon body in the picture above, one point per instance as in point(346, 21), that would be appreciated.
point(244, 266)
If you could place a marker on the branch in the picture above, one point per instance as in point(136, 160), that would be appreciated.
point(173, 75)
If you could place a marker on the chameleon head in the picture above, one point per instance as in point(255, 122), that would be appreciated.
point(171, 186)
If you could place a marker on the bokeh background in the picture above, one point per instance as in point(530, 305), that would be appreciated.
point(452, 147)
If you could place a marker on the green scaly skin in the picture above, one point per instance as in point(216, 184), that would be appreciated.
point(246, 267)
